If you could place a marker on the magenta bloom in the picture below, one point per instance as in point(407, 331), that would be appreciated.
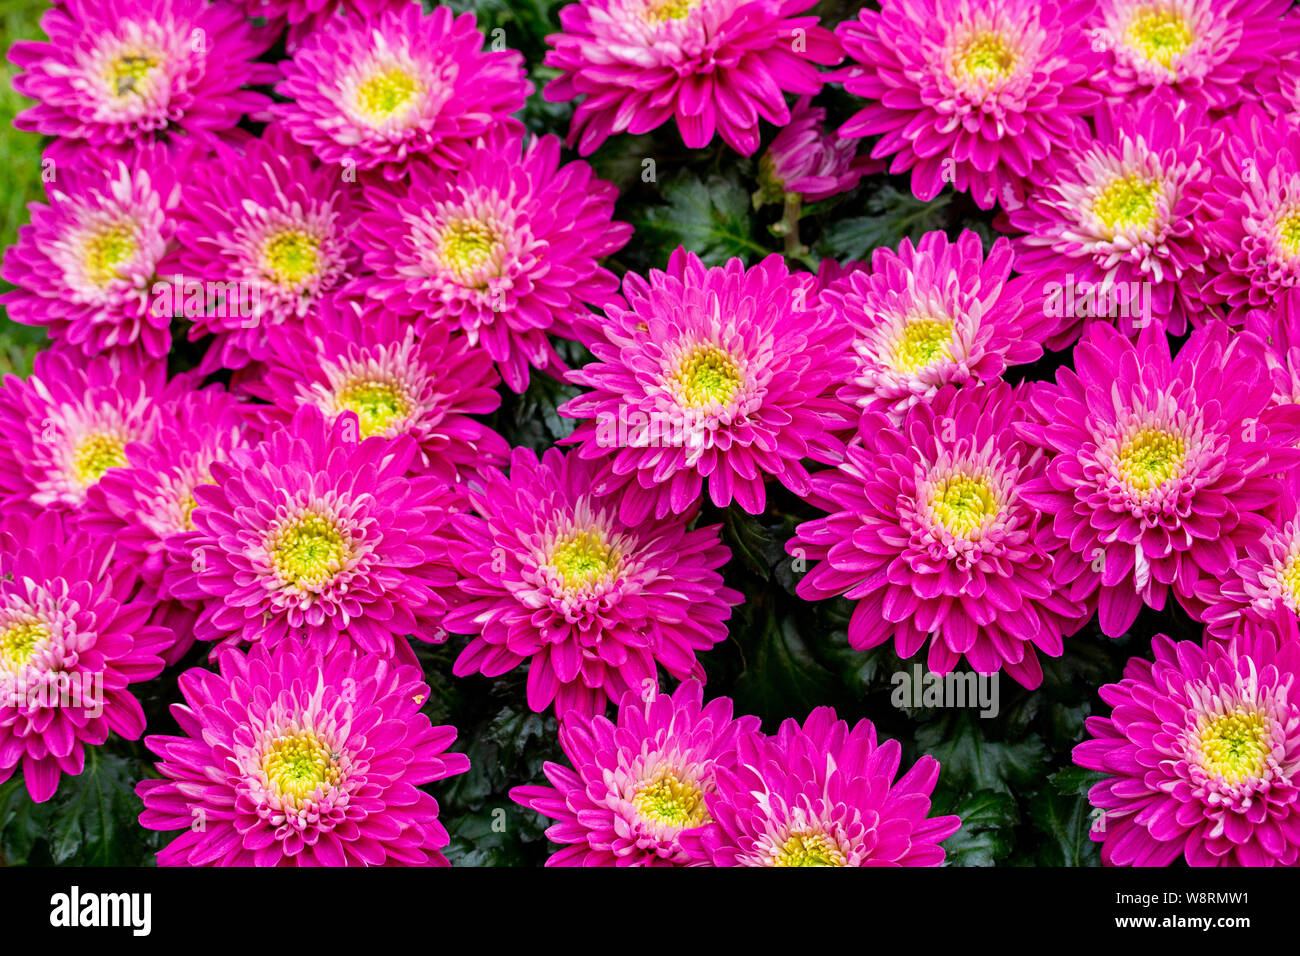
point(1264, 579)
point(934, 314)
point(319, 538)
point(71, 421)
point(1208, 52)
point(635, 786)
point(928, 531)
point(1121, 217)
point(714, 373)
point(1200, 753)
point(294, 757)
point(267, 232)
point(130, 73)
point(1252, 220)
point(971, 92)
point(714, 65)
point(85, 266)
point(304, 17)
point(553, 576)
point(146, 504)
point(804, 160)
point(506, 247)
point(358, 357)
point(822, 794)
point(1160, 469)
point(372, 90)
point(72, 639)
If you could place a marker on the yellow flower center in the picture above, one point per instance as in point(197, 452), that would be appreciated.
point(667, 799)
point(106, 250)
point(809, 849)
point(962, 503)
point(292, 256)
point(308, 553)
point(922, 343)
point(657, 11)
point(387, 93)
point(582, 558)
point(377, 404)
point(95, 455)
point(127, 73)
point(1288, 233)
point(1128, 201)
point(986, 56)
point(1235, 746)
point(296, 765)
point(1151, 457)
point(18, 641)
point(1159, 35)
point(467, 244)
point(1291, 581)
point(707, 375)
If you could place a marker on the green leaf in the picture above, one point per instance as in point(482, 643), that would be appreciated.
point(1066, 820)
point(709, 217)
point(782, 676)
point(893, 216)
point(986, 835)
point(969, 758)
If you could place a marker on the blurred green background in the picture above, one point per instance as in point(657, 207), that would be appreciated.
point(20, 172)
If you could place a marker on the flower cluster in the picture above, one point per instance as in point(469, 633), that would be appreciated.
point(359, 394)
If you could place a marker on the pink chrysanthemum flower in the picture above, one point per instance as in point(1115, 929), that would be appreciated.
point(1264, 579)
point(148, 502)
point(294, 757)
point(1252, 220)
point(934, 314)
point(971, 92)
point(72, 639)
point(370, 91)
point(552, 576)
point(1160, 469)
point(1201, 753)
point(316, 537)
point(635, 786)
point(1208, 52)
point(714, 373)
point(128, 73)
point(506, 247)
point(821, 794)
point(358, 357)
point(805, 161)
point(270, 229)
point(714, 65)
point(928, 531)
point(67, 424)
point(86, 265)
point(1120, 217)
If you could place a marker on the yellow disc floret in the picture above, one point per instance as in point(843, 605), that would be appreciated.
point(809, 849)
point(298, 764)
point(95, 454)
point(1235, 747)
point(657, 11)
point(961, 503)
point(106, 250)
point(1128, 201)
point(292, 256)
point(18, 641)
point(669, 800)
point(126, 74)
point(706, 375)
point(922, 343)
point(388, 93)
point(309, 552)
point(1288, 232)
point(986, 56)
point(1150, 458)
point(1159, 35)
point(377, 404)
point(583, 558)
